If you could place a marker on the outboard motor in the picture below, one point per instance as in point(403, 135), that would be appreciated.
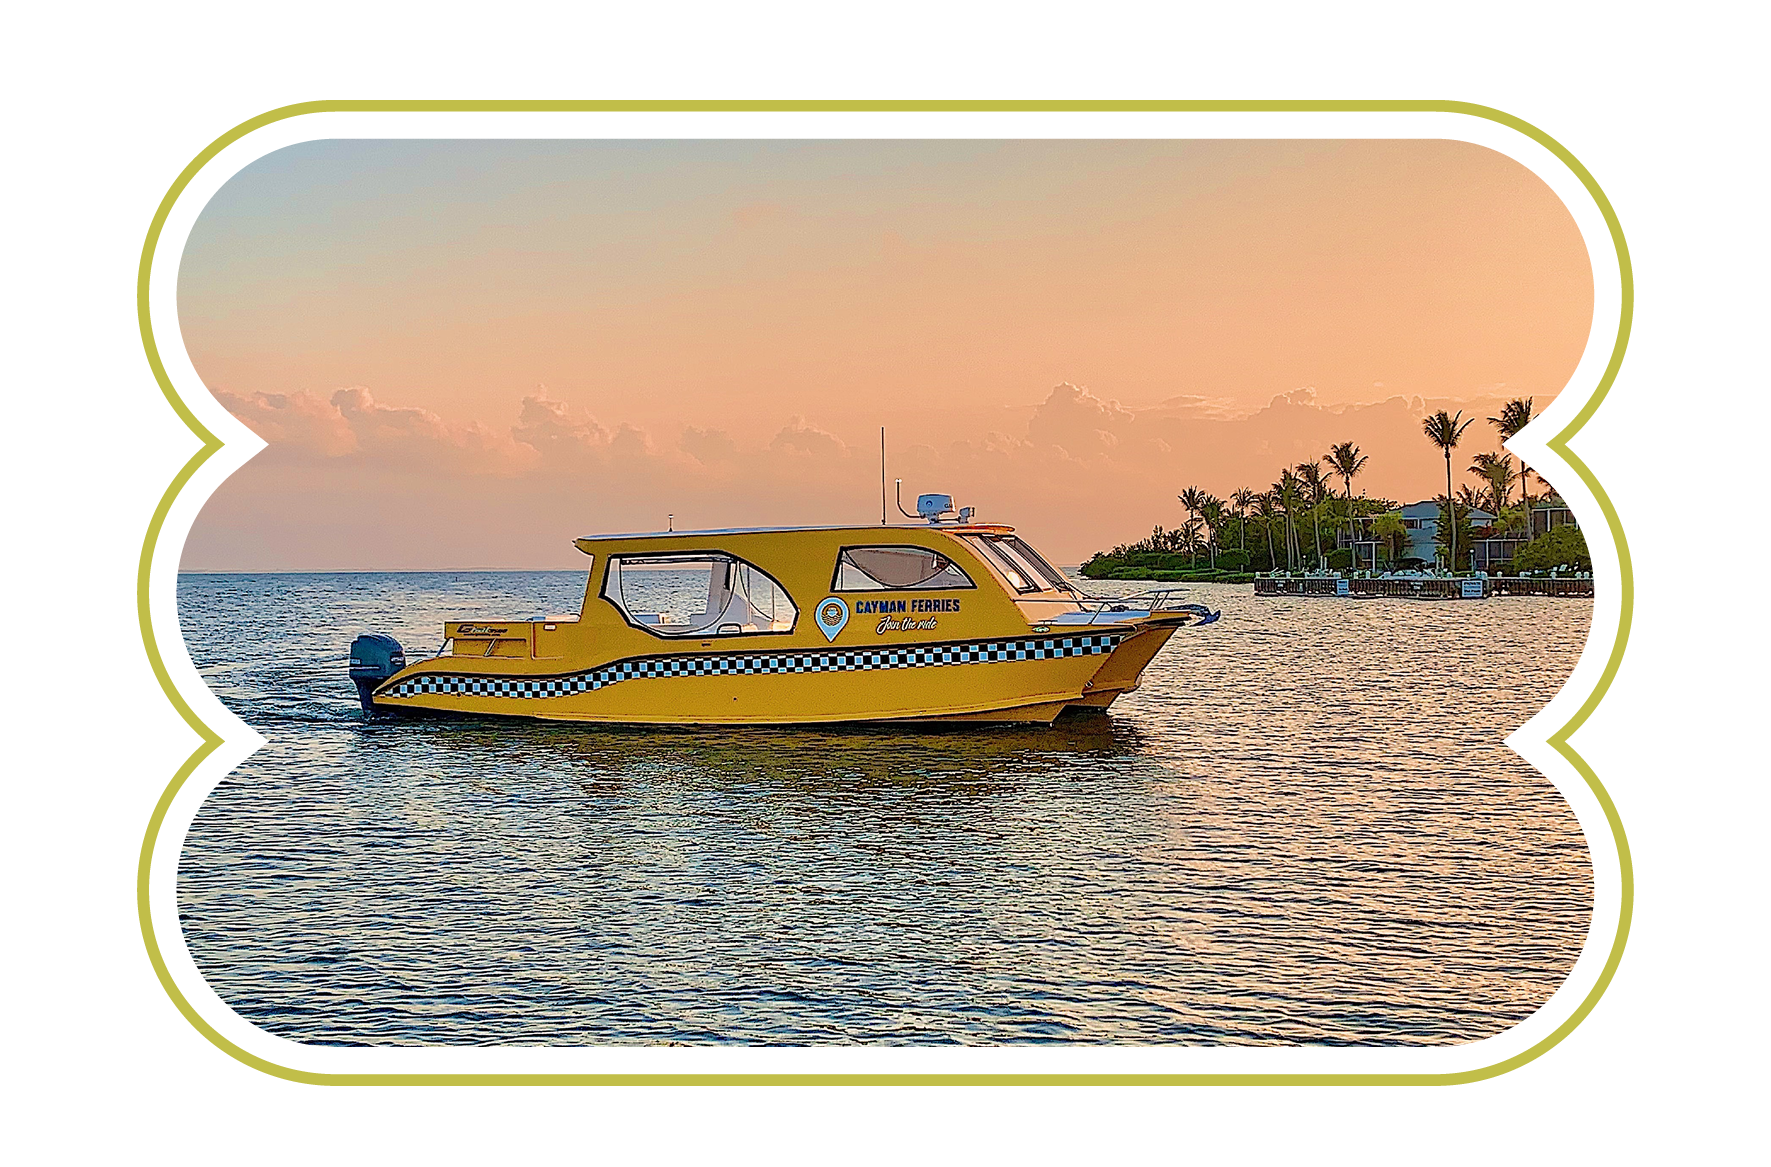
point(374, 658)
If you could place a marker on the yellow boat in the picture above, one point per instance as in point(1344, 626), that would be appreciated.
point(949, 622)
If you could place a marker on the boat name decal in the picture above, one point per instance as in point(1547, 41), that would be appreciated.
point(905, 624)
point(869, 607)
point(480, 630)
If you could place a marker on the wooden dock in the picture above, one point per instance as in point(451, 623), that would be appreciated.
point(1553, 586)
point(1423, 587)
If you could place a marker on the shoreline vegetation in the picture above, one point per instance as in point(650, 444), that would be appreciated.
point(1301, 525)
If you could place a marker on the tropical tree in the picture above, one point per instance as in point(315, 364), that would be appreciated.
point(1193, 499)
point(1315, 490)
point(1454, 525)
point(1287, 491)
point(1211, 509)
point(1345, 460)
point(1190, 541)
point(1561, 546)
point(1389, 530)
point(1515, 415)
point(1445, 431)
point(1266, 510)
point(1497, 471)
point(1242, 500)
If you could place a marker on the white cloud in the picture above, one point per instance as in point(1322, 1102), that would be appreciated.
point(801, 437)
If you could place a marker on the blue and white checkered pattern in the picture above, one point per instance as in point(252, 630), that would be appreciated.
point(910, 656)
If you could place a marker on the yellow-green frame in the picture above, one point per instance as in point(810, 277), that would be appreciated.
point(1559, 443)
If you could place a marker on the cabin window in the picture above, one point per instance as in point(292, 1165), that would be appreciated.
point(697, 593)
point(878, 569)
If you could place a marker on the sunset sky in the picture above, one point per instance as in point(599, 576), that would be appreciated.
point(464, 354)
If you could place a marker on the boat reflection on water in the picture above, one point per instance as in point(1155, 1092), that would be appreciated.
point(845, 756)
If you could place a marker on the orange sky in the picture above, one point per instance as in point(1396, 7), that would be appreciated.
point(466, 353)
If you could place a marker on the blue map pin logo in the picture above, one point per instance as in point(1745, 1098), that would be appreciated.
point(832, 616)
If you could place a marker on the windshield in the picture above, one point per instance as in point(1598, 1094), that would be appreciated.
point(1024, 551)
point(1025, 569)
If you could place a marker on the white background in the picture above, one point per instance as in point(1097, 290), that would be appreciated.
point(104, 109)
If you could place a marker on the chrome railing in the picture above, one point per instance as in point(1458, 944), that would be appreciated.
point(1109, 609)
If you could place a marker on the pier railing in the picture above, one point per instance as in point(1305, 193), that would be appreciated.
point(1506, 585)
point(1424, 587)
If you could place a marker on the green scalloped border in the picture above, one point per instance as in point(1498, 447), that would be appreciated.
point(1559, 739)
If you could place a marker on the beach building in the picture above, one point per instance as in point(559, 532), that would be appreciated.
point(1496, 551)
point(1421, 521)
point(1549, 513)
point(1491, 550)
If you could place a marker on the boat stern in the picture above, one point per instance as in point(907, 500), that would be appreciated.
point(374, 659)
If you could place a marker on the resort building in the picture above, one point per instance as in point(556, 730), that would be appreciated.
point(1548, 514)
point(1490, 551)
point(1497, 551)
point(1421, 521)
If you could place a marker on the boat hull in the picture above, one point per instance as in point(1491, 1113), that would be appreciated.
point(1027, 679)
point(1124, 668)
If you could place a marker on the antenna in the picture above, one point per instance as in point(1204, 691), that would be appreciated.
point(901, 509)
point(882, 497)
point(670, 522)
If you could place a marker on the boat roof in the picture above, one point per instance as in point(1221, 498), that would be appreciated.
point(945, 528)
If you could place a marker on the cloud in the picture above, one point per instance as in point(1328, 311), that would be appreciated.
point(799, 436)
point(561, 435)
point(352, 425)
point(1193, 407)
point(710, 447)
point(631, 444)
point(1079, 470)
point(414, 438)
point(1079, 422)
point(300, 421)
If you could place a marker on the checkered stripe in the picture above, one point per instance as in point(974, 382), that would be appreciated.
point(913, 656)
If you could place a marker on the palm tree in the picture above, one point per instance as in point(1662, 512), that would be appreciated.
point(1265, 512)
point(1497, 471)
point(1190, 540)
point(1212, 511)
point(1286, 490)
point(1280, 491)
point(1193, 499)
point(1242, 500)
point(1515, 415)
point(1315, 491)
point(1445, 431)
point(1388, 529)
point(1345, 460)
point(1449, 528)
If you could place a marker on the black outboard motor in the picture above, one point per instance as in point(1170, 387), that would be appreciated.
point(374, 658)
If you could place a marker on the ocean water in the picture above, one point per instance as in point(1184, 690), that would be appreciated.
point(1305, 828)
